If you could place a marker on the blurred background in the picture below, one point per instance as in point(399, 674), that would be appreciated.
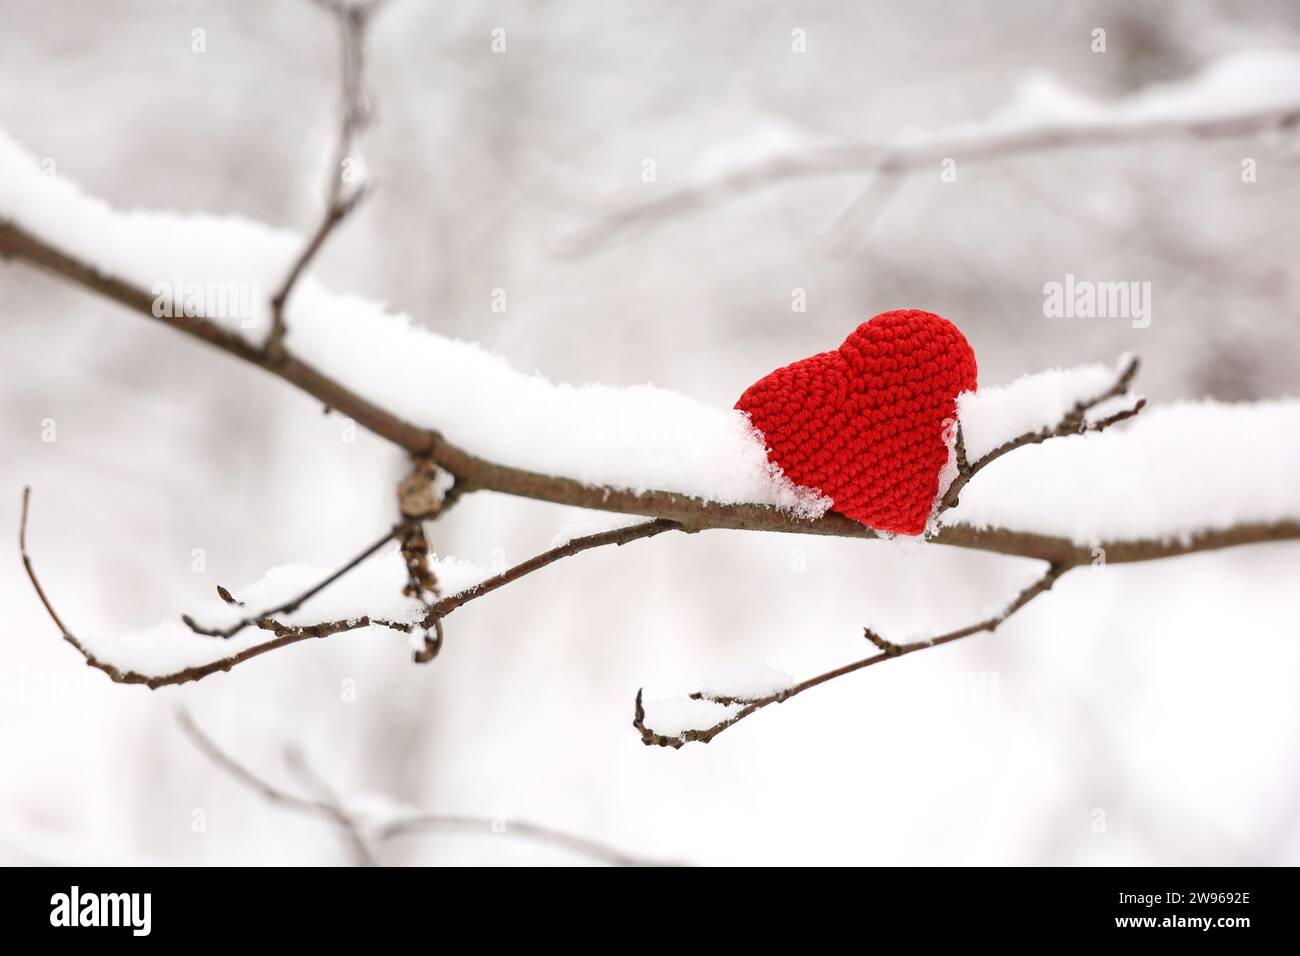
point(1136, 715)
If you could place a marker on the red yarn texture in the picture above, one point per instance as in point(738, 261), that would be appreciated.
point(864, 424)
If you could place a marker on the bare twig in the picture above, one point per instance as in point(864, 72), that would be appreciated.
point(353, 831)
point(353, 20)
point(891, 160)
point(286, 634)
point(617, 536)
point(292, 604)
point(888, 651)
point(31, 572)
point(548, 836)
point(328, 806)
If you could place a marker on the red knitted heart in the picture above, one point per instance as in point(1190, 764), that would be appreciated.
point(864, 424)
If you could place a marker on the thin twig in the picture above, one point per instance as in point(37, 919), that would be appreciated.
point(353, 831)
point(889, 651)
point(523, 829)
point(330, 807)
point(618, 536)
point(1073, 422)
point(353, 20)
point(293, 603)
point(286, 634)
point(27, 565)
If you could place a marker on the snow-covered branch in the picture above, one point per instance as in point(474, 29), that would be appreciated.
point(467, 416)
point(1242, 95)
point(645, 451)
point(738, 704)
point(372, 598)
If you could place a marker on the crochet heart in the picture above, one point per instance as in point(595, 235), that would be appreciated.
point(864, 425)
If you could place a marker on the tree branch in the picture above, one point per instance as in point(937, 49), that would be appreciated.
point(287, 634)
point(329, 807)
point(888, 651)
point(353, 21)
point(473, 473)
point(618, 536)
point(886, 159)
point(1073, 422)
point(293, 603)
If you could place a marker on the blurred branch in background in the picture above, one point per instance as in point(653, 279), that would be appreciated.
point(887, 161)
point(353, 21)
point(364, 837)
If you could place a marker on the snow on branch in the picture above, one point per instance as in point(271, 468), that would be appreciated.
point(1049, 486)
point(644, 450)
point(1050, 404)
point(369, 598)
point(1240, 95)
point(736, 705)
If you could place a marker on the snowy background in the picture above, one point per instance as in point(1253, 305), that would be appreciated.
point(1137, 714)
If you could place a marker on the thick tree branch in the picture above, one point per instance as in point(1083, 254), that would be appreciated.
point(478, 474)
point(328, 806)
point(888, 651)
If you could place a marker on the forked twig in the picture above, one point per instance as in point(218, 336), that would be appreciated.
point(286, 634)
point(888, 651)
point(1073, 422)
point(328, 806)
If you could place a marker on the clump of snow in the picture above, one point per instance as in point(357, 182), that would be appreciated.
point(674, 716)
point(746, 680)
point(373, 589)
point(639, 438)
point(1168, 473)
point(1115, 405)
point(993, 415)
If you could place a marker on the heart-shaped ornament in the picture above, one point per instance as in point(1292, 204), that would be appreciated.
point(865, 424)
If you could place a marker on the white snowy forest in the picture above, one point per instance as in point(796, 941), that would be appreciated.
point(368, 390)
